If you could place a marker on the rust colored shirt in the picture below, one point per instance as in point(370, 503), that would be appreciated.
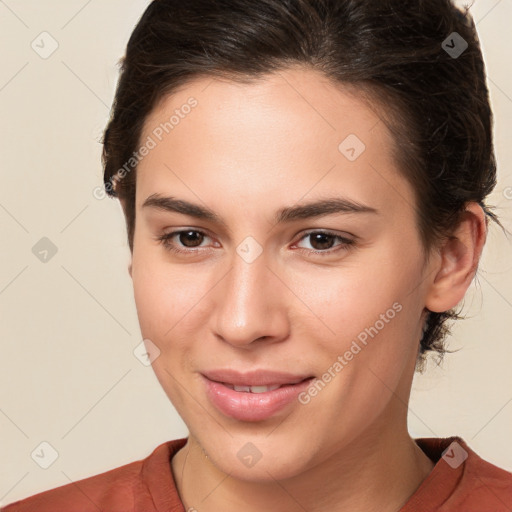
point(460, 482)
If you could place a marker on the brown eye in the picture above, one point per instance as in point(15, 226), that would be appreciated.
point(190, 238)
point(186, 240)
point(321, 241)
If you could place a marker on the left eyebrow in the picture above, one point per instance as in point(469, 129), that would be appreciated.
point(318, 208)
point(321, 208)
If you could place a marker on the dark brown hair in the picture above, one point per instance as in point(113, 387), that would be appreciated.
point(409, 57)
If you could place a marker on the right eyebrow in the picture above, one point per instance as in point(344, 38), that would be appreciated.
point(171, 204)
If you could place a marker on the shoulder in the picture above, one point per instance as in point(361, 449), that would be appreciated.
point(461, 480)
point(486, 482)
point(90, 494)
point(123, 489)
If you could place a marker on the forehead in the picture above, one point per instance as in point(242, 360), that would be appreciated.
point(295, 95)
point(290, 133)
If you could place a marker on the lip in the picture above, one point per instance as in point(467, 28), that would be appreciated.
point(247, 406)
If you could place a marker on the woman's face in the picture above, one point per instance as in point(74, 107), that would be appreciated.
point(257, 294)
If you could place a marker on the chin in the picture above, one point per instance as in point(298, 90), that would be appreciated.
point(257, 458)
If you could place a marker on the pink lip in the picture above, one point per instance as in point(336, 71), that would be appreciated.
point(254, 377)
point(246, 406)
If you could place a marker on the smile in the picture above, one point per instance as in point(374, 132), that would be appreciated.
point(254, 396)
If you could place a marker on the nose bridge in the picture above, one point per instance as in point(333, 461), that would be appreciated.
point(248, 309)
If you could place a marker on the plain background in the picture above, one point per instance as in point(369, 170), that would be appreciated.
point(69, 326)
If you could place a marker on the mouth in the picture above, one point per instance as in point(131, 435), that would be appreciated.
point(255, 378)
point(251, 389)
point(254, 396)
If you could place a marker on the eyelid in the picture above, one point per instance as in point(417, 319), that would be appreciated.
point(346, 243)
point(345, 236)
point(166, 237)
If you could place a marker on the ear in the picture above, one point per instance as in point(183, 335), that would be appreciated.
point(130, 269)
point(458, 260)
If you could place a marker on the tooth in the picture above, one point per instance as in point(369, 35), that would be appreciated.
point(262, 389)
point(259, 389)
point(252, 389)
point(242, 388)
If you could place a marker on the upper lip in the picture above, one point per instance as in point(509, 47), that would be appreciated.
point(254, 377)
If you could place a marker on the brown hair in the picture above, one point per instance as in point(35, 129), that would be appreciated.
point(410, 57)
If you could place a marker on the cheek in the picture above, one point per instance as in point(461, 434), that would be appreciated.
point(366, 311)
point(162, 300)
point(168, 298)
point(347, 299)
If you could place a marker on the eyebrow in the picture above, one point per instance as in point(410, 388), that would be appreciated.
point(318, 208)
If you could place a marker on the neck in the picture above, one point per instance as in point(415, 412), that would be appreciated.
point(376, 472)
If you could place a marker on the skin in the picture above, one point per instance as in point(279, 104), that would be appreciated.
point(246, 151)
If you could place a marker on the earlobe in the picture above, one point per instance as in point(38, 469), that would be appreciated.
point(459, 257)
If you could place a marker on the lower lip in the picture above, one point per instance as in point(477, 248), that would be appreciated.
point(246, 406)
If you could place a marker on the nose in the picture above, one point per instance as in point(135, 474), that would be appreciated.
point(252, 304)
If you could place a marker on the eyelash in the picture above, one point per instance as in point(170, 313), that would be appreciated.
point(346, 243)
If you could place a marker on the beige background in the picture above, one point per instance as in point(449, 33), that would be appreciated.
point(68, 327)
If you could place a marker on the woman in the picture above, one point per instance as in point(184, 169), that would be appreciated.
point(304, 187)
